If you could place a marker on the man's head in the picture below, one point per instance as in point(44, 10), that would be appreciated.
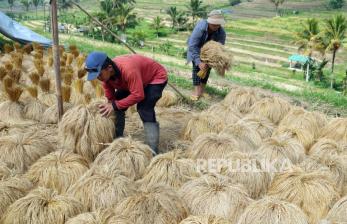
point(215, 20)
point(99, 66)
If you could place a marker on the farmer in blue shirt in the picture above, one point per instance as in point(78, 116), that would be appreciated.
point(204, 31)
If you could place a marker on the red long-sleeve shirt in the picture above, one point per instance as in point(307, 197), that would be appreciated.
point(136, 72)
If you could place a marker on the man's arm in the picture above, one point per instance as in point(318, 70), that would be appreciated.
point(194, 42)
point(222, 37)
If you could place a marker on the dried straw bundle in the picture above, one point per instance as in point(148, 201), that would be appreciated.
point(50, 116)
point(262, 125)
point(98, 217)
point(304, 136)
point(227, 113)
point(15, 75)
point(33, 109)
point(325, 147)
point(46, 97)
point(242, 99)
point(81, 73)
point(82, 128)
point(27, 48)
point(170, 168)
point(215, 195)
point(216, 56)
point(57, 170)
point(21, 150)
point(209, 146)
point(34, 78)
point(207, 219)
point(274, 108)
point(127, 155)
point(336, 130)
point(80, 61)
point(279, 149)
point(99, 91)
point(248, 139)
point(168, 99)
point(69, 59)
point(313, 192)
point(157, 204)
point(271, 210)
point(102, 187)
point(77, 97)
point(67, 78)
point(11, 190)
point(308, 121)
point(247, 170)
point(202, 123)
point(338, 213)
point(11, 111)
point(50, 61)
point(118, 219)
point(8, 48)
point(3, 73)
point(42, 206)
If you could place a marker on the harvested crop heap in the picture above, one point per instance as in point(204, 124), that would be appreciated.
point(252, 158)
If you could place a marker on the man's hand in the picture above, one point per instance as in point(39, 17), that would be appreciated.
point(203, 66)
point(105, 109)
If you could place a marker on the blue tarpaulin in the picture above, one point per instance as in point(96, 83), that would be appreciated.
point(19, 33)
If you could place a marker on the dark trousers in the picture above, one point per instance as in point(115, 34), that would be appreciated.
point(196, 79)
point(145, 108)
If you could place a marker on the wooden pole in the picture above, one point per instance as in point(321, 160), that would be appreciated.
point(56, 58)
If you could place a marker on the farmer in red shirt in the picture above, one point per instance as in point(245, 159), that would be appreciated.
point(129, 80)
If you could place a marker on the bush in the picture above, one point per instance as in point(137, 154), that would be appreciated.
point(336, 4)
point(234, 2)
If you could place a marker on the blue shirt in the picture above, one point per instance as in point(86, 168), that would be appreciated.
point(199, 38)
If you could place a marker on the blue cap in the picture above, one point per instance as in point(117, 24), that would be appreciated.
point(94, 63)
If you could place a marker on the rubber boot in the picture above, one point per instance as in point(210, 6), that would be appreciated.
point(152, 135)
point(119, 124)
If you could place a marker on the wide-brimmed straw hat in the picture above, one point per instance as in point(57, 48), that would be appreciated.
point(216, 17)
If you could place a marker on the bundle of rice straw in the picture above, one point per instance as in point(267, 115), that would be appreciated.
point(8, 48)
point(202, 123)
point(299, 118)
point(313, 191)
point(45, 96)
point(77, 95)
point(214, 146)
point(280, 149)
point(215, 195)
point(158, 204)
point(42, 206)
point(336, 130)
point(11, 190)
point(304, 136)
point(127, 155)
point(33, 109)
point(216, 56)
point(333, 166)
point(325, 146)
point(273, 108)
point(206, 219)
point(262, 125)
point(338, 213)
point(248, 139)
point(11, 111)
point(227, 113)
point(272, 210)
point(82, 129)
point(118, 219)
point(57, 170)
point(21, 150)
point(97, 217)
point(101, 188)
point(34, 78)
point(167, 99)
point(246, 169)
point(241, 98)
point(170, 168)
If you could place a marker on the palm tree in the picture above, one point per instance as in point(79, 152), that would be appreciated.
point(277, 3)
point(335, 33)
point(36, 3)
point(26, 4)
point(309, 38)
point(107, 6)
point(11, 3)
point(124, 16)
point(196, 9)
point(172, 11)
point(157, 24)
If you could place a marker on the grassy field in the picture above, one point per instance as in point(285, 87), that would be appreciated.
point(254, 36)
